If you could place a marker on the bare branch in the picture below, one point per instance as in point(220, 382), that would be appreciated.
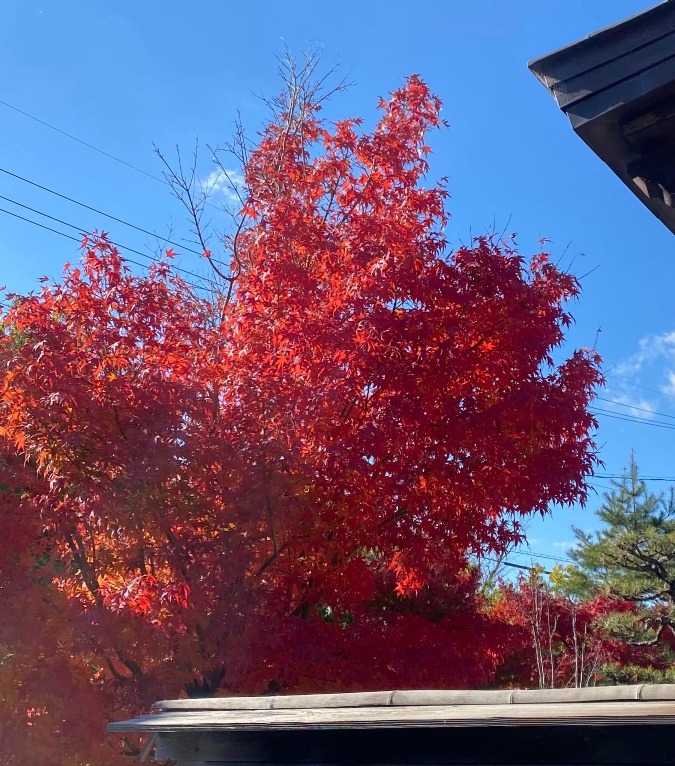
point(304, 90)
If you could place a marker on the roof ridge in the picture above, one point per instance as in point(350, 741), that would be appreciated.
point(429, 697)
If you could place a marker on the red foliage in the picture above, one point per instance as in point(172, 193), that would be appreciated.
point(282, 490)
point(557, 641)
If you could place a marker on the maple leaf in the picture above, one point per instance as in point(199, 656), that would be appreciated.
point(285, 486)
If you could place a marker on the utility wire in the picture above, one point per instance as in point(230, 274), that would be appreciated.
point(94, 148)
point(85, 231)
point(95, 210)
point(619, 477)
point(633, 407)
point(88, 233)
point(183, 247)
point(535, 555)
point(60, 233)
point(84, 143)
point(509, 564)
point(631, 419)
point(631, 383)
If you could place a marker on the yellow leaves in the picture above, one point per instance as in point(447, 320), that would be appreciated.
point(561, 578)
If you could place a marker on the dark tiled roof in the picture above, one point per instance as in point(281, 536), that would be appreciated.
point(617, 88)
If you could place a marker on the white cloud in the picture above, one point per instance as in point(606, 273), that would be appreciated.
point(562, 545)
point(637, 407)
point(668, 388)
point(224, 182)
point(650, 349)
point(653, 362)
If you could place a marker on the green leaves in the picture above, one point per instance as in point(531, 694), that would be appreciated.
point(632, 559)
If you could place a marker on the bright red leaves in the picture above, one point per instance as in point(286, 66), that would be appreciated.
point(282, 492)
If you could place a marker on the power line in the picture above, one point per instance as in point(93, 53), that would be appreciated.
point(634, 407)
point(84, 143)
point(88, 233)
point(619, 477)
point(532, 554)
point(111, 156)
point(636, 385)
point(96, 210)
point(535, 555)
point(182, 246)
point(631, 419)
point(85, 231)
point(82, 230)
point(631, 383)
point(625, 416)
point(60, 233)
point(509, 564)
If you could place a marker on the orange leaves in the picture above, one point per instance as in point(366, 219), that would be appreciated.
point(408, 581)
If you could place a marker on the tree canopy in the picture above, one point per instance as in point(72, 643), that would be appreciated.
point(632, 558)
point(279, 486)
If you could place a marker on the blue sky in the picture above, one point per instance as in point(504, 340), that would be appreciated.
point(122, 75)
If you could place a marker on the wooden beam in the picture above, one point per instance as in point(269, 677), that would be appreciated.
point(563, 714)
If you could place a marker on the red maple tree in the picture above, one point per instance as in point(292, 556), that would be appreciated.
point(560, 640)
point(280, 487)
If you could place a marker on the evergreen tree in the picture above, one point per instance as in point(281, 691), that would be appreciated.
point(632, 559)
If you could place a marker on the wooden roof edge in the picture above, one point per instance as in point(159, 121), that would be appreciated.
point(424, 697)
point(581, 54)
point(598, 713)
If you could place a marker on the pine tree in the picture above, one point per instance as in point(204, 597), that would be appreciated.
point(632, 559)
